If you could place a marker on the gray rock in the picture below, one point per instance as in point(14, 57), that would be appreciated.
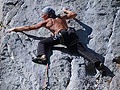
point(97, 25)
point(115, 82)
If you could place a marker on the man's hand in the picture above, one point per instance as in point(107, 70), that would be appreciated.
point(64, 9)
point(69, 14)
point(10, 30)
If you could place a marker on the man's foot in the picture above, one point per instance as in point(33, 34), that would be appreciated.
point(40, 60)
point(101, 68)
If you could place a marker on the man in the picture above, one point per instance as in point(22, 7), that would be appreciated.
point(62, 35)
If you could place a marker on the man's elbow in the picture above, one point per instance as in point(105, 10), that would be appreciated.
point(75, 15)
point(32, 27)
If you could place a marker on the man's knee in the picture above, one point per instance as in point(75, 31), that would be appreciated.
point(81, 47)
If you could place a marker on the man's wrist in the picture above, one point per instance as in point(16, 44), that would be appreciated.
point(14, 29)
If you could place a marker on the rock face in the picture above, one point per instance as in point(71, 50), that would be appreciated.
point(97, 25)
point(0, 10)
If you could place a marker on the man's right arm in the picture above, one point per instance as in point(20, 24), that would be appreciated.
point(68, 15)
point(28, 27)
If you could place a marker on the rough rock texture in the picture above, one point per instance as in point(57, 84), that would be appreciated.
point(97, 26)
point(0, 12)
point(1, 9)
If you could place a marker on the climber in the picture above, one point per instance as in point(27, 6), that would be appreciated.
point(62, 34)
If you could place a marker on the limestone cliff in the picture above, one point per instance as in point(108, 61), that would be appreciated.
point(97, 25)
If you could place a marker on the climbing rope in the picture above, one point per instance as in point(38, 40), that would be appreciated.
point(45, 77)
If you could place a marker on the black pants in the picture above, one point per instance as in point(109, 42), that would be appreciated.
point(69, 39)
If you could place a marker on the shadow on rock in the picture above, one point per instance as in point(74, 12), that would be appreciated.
point(83, 35)
point(32, 36)
point(84, 39)
point(108, 72)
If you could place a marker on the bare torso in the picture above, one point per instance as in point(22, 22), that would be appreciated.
point(56, 24)
point(53, 24)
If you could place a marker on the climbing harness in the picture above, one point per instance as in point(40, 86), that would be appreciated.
point(59, 36)
point(61, 39)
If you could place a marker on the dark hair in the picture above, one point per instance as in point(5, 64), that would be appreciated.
point(52, 14)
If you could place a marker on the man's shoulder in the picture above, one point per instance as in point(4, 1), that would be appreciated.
point(45, 21)
point(49, 19)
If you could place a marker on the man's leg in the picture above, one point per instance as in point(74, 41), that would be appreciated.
point(86, 54)
point(91, 57)
point(43, 45)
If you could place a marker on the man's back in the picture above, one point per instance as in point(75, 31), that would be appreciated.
point(56, 24)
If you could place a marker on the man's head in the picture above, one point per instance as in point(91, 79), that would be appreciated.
point(48, 13)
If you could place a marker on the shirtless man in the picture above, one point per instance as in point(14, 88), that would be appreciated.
point(54, 24)
point(50, 21)
point(62, 35)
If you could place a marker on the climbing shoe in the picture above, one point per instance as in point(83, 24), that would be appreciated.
point(40, 60)
point(101, 68)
